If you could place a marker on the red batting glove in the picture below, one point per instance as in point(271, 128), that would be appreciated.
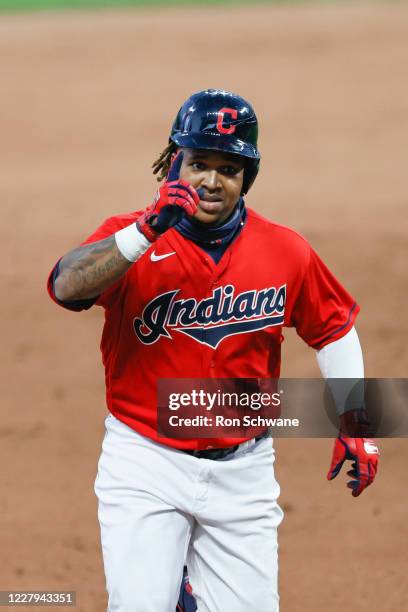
point(174, 199)
point(364, 454)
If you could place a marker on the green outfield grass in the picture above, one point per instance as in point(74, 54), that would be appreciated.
point(32, 5)
point(28, 5)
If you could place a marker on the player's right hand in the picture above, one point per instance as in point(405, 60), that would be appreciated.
point(174, 199)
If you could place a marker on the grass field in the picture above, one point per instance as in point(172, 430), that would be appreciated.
point(34, 5)
point(27, 5)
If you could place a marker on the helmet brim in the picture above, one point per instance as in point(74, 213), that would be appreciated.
point(215, 142)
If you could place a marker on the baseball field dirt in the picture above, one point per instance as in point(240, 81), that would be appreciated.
point(87, 100)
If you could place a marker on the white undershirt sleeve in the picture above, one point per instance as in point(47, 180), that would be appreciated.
point(344, 359)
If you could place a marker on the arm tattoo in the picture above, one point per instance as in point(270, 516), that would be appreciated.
point(87, 271)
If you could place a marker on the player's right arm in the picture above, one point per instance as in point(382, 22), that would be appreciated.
point(87, 271)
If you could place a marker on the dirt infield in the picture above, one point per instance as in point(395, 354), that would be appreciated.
point(86, 104)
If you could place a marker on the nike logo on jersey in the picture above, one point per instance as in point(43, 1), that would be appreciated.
point(211, 320)
point(154, 257)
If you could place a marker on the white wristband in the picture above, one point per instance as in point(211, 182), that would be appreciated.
point(131, 243)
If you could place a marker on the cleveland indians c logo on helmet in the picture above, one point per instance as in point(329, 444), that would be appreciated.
point(220, 120)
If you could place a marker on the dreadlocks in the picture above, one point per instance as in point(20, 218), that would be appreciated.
point(161, 166)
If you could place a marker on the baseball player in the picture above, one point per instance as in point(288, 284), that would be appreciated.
point(198, 285)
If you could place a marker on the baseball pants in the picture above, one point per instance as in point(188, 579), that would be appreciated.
point(160, 508)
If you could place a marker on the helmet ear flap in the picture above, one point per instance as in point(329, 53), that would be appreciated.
point(250, 172)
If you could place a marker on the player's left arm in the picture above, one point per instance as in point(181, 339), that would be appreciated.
point(343, 359)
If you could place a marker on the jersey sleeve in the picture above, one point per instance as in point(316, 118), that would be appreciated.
point(324, 311)
point(107, 298)
point(74, 305)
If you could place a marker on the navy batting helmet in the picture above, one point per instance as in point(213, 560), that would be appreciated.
point(221, 121)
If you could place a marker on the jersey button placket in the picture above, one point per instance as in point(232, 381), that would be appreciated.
point(213, 284)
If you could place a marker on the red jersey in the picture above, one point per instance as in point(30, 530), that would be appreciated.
point(178, 314)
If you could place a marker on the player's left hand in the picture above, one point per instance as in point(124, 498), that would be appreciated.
point(364, 454)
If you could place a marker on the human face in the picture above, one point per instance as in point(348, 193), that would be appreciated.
point(220, 175)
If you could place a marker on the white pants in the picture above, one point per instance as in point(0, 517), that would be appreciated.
point(159, 507)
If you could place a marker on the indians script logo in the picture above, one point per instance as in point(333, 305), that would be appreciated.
point(212, 319)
